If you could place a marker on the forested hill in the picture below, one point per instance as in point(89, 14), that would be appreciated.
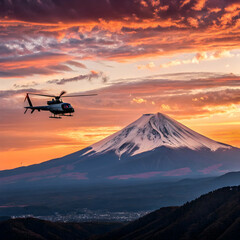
point(36, 229)
point(215, 215)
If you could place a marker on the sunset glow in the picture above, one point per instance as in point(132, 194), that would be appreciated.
point(180, 58)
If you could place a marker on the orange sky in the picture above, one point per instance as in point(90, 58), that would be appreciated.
point(146, 56)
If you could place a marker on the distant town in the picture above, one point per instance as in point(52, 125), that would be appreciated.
point(87, 215)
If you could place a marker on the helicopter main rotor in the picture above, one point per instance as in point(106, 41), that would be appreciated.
point(57, 98)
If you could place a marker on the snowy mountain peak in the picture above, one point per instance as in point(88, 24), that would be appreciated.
point(151, 131)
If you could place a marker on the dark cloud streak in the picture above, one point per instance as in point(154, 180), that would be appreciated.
point(40, 63)
point(88, 77)
point(81, 10)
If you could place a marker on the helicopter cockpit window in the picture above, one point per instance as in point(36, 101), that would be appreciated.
point(66, 106)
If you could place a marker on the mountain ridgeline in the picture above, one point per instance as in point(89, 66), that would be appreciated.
point(154, 146)
point(215, 215)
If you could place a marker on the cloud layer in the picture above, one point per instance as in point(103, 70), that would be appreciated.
point(110, 30)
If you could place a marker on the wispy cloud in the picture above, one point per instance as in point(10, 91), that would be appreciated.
point(27, 85)
point(201, 56)
point(92, 75)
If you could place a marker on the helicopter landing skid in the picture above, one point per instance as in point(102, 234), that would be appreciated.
point(54, 117)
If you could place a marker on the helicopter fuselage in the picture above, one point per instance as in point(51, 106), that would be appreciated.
point(60, 108)
point(55, 108)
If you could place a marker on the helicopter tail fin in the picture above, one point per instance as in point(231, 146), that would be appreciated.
point(30, 104)
point(29, 100)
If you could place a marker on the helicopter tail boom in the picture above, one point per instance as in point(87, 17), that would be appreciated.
point(33, 108)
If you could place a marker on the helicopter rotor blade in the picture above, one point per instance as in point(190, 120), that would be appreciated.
point(62, 93)
point(82, 95)
point(43, 95)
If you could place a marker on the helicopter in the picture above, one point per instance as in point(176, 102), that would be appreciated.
point(56, 106)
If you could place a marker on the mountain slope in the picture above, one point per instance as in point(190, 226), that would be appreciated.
point(36, 229)
point(215, 215)
point(154, 146)
point(152, 131)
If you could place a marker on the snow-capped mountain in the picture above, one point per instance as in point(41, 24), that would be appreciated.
point(154, 146)
point(152, 131)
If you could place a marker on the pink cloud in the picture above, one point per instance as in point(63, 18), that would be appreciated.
point(69, 167)
point(177, 172)
point(41, 178)
point(210, 169)
point(172, 173)
point(74, 175)
point(138, 175)
point(39, 174)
